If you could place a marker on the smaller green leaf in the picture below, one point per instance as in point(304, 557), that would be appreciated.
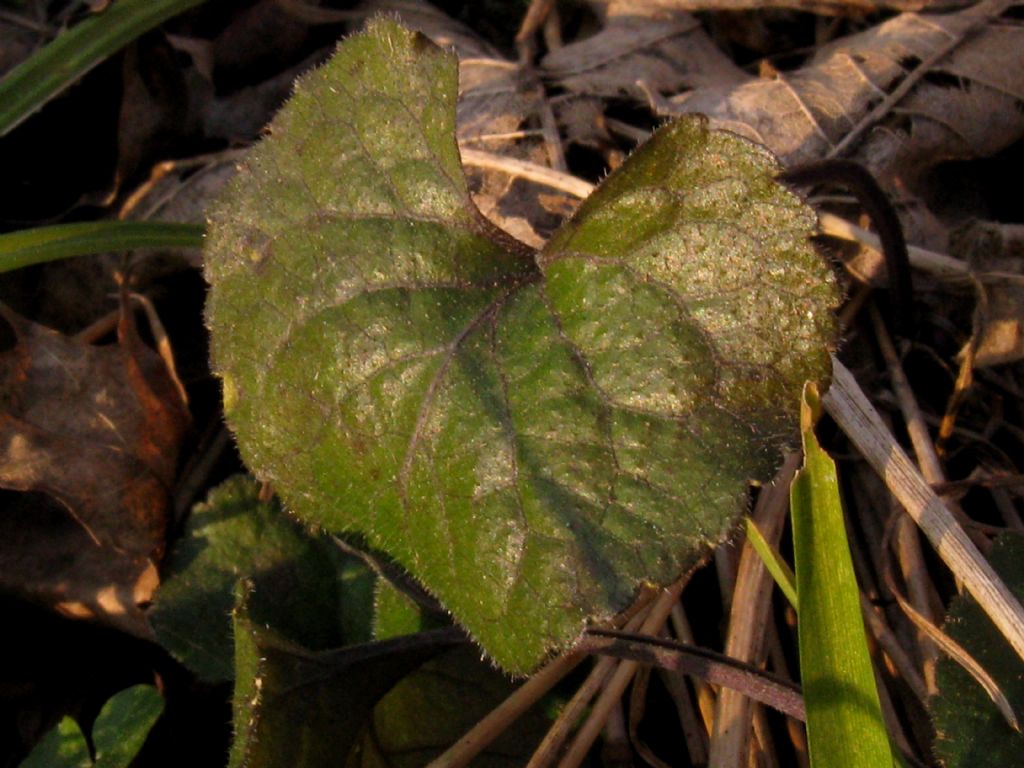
point(62, 241)
point(844, 717)
point(304, 709)
point(53, 68)
point(396, 614)
point(304, 587)
point(433, 707)
point(970, 731)
point(118, 733)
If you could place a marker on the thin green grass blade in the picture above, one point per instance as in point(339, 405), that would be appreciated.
point(53, 68)
point(844, 718)
point(62, 241)
point(777, 567)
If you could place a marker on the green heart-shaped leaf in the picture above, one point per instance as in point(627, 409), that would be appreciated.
point(531, 434)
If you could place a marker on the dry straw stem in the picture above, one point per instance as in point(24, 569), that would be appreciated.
point(524, 169)
point(891, 647)
point(694, 734)
point(613, 691)
point(704, 692)
point(938, 265)
point(551, 745)
point(751, 605)
point(498, 720)
point(494, 724)
point(849, 406)
point(960, 655)
point(908, 544)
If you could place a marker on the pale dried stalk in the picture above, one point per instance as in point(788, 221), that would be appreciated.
point(588, 733)
point(915, 576)
point(615, 748)
point(891, 647)
point(536, 14)
point(695, 735)
point(750, 611)
point(498, 720)
point(924, 448)
point(1005, 506)
point(524, 169)
point(547, 751)
point(763, 753)
point(960, 655)
point(100, 328)
point(938, 265)
point(910, 557)
point(965, 376)
point(549, 128)
point(726, 564)
point(704, 693)
point(163, 343)
point(893, 724)
point(165, 168)
point(776, 655)
point(849, 406)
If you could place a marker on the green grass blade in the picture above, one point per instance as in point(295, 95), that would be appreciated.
point(777, 567)
point(61, 241)
point(53, 68)
point(844, 718)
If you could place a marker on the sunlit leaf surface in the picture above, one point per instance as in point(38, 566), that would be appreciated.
point(530, 434)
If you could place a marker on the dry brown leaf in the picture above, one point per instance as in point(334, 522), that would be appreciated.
point(154, 106)
point(243, 113)
point(260, 40)
point(822, 7)
point(996, 251)
point(90, 438)
point(966, 104)
point(17, 40)
point(648, 46)
point(654, 42)
point(900, 97)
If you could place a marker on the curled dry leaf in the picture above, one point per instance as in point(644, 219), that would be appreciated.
point(820, 7)
point(653, 42)
point(996, 251)
point(643, 47)
point(804, 115)
point(90, 435)
point(19, 41)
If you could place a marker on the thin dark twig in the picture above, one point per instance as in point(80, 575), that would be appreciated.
point(777, 692)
